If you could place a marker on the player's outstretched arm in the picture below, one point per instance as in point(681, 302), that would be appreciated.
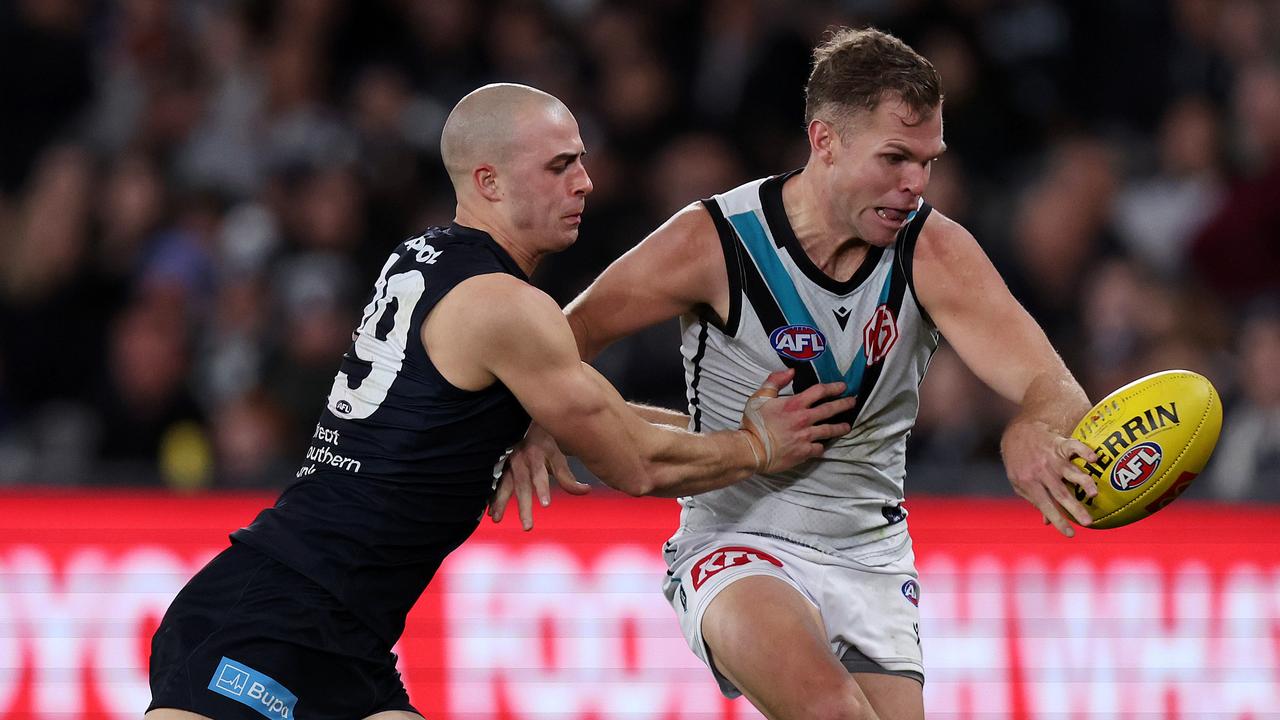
point(1005, 347)
point(518, 336)
point(780, 432)
point(537, 460)
point(677, 269)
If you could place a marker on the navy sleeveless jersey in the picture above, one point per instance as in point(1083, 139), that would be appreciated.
point(401, 463)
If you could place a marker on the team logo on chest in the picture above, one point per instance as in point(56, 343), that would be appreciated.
point(798, 342)
point(879, 335)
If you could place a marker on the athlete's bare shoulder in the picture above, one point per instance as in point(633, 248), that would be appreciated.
point(497, 285)
point(488, 316)
point(678, 268)
point(689, 236)
point(497, 306)
point(945, 254)
point(941, 235)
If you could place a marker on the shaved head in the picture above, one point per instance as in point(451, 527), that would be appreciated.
point(514, 156)
point(484, 127)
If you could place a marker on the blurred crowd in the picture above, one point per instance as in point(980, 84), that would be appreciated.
point(196, 195)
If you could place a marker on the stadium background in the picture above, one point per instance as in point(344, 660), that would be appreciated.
point(195, 196)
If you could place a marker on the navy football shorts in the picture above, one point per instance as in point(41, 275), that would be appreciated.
point(250, 638)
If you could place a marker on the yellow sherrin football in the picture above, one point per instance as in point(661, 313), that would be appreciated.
point(1152, 436)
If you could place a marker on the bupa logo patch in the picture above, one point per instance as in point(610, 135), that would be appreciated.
point(1136, 466)
point(798, 342)
point(253, 689)
point(727, 557)
point(911, 591)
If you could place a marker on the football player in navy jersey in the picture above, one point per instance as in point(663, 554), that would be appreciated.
point(454, 353)
point(839, 269)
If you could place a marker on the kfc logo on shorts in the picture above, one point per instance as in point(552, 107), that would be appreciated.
point(725, 558)
point(879, 335)
point(911, 591)
point(798, 342)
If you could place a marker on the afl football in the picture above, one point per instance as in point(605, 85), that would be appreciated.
point(1153, 437)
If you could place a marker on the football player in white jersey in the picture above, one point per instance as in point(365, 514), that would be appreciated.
point(803, 622)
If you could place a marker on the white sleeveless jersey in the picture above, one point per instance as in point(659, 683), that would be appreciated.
point(869, 332)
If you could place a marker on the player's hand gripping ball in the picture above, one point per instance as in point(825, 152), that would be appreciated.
point(1152, 436)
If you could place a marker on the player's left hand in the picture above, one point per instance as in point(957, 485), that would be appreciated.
point(526, 475)
point(1037, 460)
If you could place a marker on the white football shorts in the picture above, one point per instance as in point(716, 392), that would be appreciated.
point(871, 611)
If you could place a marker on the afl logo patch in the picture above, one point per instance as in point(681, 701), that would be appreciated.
point(911, 591)
point(798, 342)
point(1136, 466)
